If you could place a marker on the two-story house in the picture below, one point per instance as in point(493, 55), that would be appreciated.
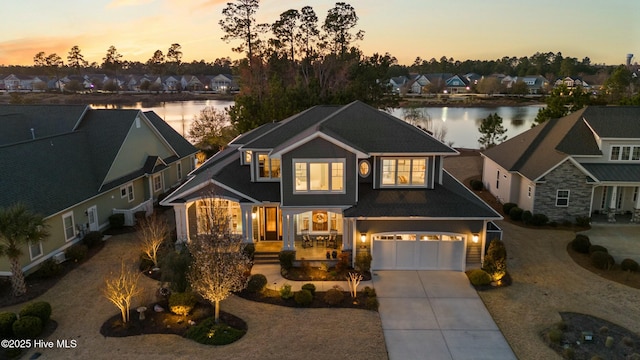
point(371, 180)
point(583, 164)
point(76, 166)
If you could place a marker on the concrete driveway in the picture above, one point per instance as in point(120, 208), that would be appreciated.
point(436, 315)
point(621, 240)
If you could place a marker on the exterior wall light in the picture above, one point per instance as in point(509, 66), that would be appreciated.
point(363, 240)
point(475, 238)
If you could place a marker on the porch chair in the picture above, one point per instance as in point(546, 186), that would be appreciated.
point(306, 240)
point(333, 239)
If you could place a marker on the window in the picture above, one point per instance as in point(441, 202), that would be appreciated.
point(126, 191)
point(562, 198)
point(179, 169)
point(319, 175)
point(123, 192)
point(35, 249)
point(157, 183)
point(69, 226)
point(247, 156)
point(529, 191)
point(211, 211)
point(268, 168)
point(130, 192)
point(625, 153)
point(364, 168)
point(403, 172)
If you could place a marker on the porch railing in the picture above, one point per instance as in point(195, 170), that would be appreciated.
point(129, 214)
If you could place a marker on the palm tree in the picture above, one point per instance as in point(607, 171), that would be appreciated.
point(19, 226)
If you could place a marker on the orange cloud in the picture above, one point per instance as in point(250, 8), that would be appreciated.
point(22, 51)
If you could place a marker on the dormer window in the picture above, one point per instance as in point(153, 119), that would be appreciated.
point(319, 175)
point(625, 153)
point(247, 157)
point(404, 172)
point(268, 168)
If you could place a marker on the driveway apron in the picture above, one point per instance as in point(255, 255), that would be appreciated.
point(436, 315)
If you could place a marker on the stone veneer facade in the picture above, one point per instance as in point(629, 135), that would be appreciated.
point(565, 177)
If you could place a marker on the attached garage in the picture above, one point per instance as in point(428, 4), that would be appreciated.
point(418, 251)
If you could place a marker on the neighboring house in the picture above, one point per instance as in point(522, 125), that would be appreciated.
point(399, 84)
point(18, 82)
point(191, 83)
point(369, 179)
point(418, 83)
point(77, 166)
point(223, 84)
point(536, 84)
point(583, 164)
point(573, 82)
point(457, 84)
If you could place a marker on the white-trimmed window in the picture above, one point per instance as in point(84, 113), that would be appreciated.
point(157, 182)
point(404, 172)
point(126, 191)
point(319, 175)
point(247, 157)
point(625, 153)
point(35, 249)
point(562, 198)
point(529, 191)
point(268, 168)
point(69, 226)
point(179, 170)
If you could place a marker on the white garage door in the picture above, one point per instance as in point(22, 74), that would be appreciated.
point(418, 251)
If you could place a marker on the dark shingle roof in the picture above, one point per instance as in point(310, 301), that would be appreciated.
point(614, 121)
point(449, 200)
point(181, 146)
point(16, 121)
point(614, 172)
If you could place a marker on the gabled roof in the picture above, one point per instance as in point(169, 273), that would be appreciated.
point(52, 173)
point(537, 150)
point(16, 121)
point(356, 125)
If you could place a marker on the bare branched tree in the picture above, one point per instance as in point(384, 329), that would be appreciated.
point(121, 288)
point(219, 262)
point(152, 232)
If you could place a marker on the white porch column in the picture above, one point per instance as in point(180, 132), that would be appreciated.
point(247, 223)
point(611, 216)
point(288, 230)
point(635, 217)
point(347, 233)
point(180, 214)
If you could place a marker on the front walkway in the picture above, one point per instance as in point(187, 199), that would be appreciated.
point(436, 315)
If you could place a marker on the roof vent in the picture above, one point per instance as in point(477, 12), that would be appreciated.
point(33, 133)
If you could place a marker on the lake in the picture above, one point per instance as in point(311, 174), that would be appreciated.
point(460, 123)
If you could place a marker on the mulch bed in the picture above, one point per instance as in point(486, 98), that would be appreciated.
point(623, 345)
point(37, 285)
point(164, 322)
point(616, 274)
point(272, 297)
point(316, 274)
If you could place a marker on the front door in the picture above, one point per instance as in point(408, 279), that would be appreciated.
point(92, 215)
point(271, 223)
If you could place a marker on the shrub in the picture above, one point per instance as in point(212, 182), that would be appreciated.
point(77, 252)
point(309, 287)
point(249, 250)
point(371, 303)
point(539, 219)
point(581, 244)
point(476, 184)
point(479, 277)
point(6, 324)
point(303, 297)
point(369, 291)
point(182, 303)
point(629, 265)
point(343, 261)
point(609, 341)
point(27, 327)
point(594, 248)
point(601, 260)
point(286, 259)
point(175, 266)
point(495, 260)
point(116, 221)
point(515, 213)
point(555, 335)
point(526, 216)
point(256, 283)
point(583, 221)
point(333, 297)
point(48, 269)
point(39, 309)
point(285, 291)
point(92, 239)
point(363, 261)
point(506, 207)
point(209, 333)
point(627, 341)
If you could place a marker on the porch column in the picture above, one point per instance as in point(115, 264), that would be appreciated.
point(180, 214)
point(347, 234)
point(247, 223)
point(635, 217)
point(611, 216)
point(288, 230)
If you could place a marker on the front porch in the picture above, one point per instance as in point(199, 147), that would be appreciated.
point(318, 250)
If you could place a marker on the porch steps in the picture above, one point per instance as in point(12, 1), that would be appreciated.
point(474, 254)
point(266, 257)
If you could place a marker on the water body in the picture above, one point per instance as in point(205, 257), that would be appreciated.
point(459, 123)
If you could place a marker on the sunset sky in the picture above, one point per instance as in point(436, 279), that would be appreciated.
point(605, 31)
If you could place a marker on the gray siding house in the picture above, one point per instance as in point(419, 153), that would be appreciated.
point(76, 166)
point(583, 165)
point(352, 174)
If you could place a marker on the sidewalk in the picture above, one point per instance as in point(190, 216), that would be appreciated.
point(275, 280)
